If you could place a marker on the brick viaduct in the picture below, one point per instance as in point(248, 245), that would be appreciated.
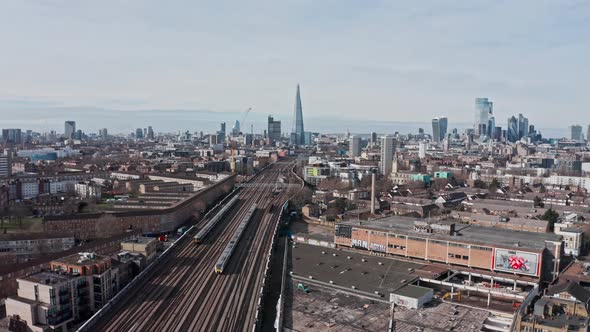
point(107, 224)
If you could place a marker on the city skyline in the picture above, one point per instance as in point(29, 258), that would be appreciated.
point(393, 86)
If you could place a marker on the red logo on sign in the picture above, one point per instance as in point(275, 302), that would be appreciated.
point(518, 263)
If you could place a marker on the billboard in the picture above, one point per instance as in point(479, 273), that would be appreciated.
point(516, 262)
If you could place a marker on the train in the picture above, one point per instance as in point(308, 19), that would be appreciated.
point(229, 249)
point(207, 228)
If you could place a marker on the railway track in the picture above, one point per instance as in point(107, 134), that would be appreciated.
point(184, 293)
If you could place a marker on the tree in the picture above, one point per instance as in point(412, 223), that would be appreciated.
point(552, 217)
point(542, 189)
point(494, 185)
point(439, 184)
point(332, 184)
point(303, 197)
point(365, 182)
point(538, 202)
point(383, 185)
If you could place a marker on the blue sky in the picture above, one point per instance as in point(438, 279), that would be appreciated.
point(381, 60)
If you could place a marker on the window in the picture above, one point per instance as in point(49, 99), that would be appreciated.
point(481, 248)
point(465, 257)
point(419, 239)
point(459, 245)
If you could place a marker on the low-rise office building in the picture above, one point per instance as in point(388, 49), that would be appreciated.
point(146, 246)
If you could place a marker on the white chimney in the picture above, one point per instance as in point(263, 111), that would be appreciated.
point(373, 193)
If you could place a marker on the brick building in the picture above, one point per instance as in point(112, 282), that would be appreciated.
point(529, 254)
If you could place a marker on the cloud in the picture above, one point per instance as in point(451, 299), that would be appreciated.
point(393, 60)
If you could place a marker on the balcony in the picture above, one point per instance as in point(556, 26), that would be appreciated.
point(59, 317)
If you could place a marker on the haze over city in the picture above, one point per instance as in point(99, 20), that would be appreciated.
point(375, 61)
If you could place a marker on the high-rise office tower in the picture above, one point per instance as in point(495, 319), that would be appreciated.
point(523, 126)
point(139, 133)
point(497, 134)
point(483, 111)
point(236, 129)
point(588, 134)
point(576, 132)
point(69, 129)
point(12, 136)
point(439, 128)
point(5, 165)
point(491, 126)
point(387, 150)
point(221, 132)
point(103, 133)
point(298, 121)
point(512, 130)
point(435, 130)
point(354, 146)
point(150, 132)
point(374, 139)
point(274, 130)
point(422, 150)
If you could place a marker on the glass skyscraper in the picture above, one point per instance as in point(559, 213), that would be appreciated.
point(298, 133)
point(512, 131)
point(484, 109)
point(439, 128)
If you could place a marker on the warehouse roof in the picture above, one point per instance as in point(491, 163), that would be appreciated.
point(347, 269)
point(469, 234)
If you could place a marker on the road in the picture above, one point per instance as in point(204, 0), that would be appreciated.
point(184, 293)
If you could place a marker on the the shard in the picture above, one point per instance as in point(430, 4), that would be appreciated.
point(297, 135)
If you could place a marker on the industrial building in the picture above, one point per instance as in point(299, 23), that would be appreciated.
point(526, 254)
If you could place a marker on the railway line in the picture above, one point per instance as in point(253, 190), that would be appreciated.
point(185, 293)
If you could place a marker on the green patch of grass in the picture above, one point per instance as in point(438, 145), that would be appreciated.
point(24, 225)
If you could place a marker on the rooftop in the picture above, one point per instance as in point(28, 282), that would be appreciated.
point(48, 278)
point(346, 269)
point(412, 291)
point(83, 260)
point(141, 240)
point(497, 237)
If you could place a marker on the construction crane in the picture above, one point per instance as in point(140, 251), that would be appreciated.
point(246, 112)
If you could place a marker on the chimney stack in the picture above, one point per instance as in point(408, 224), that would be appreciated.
point(373, 193)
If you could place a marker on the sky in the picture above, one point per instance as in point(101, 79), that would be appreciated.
point(116, 64)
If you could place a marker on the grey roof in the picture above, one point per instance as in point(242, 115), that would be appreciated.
point(580, 293)
point(366, 275)
point(471, 234)
point(412, 291)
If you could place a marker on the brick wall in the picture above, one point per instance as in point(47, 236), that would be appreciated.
point(103, 225)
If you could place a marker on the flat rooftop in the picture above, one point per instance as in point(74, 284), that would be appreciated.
point(497, 237)
point(77, 260)
point(367, 276)
point(141, 240)
point(329, 310)
point(48, 278)
point(516, 221)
